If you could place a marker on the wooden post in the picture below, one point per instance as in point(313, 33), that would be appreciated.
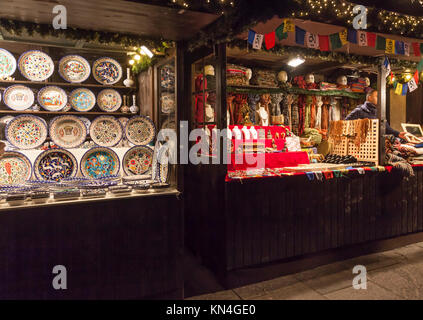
point(381, 87)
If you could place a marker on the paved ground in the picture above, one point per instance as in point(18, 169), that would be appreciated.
point(391, 275)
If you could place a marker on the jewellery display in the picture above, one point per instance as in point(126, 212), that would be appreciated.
point(55, 165)
point(36, 65)
point(109, 100)
point(74, 68)
point(15, 168)
point(52, 98)
point(140, 130)
point(106, 131)
point(107, 71)
point(137, 160)
point(7, 64)
point(67, 131)
point(99, 162)
point(26, 131)
point(82, 99)
point(18, 97)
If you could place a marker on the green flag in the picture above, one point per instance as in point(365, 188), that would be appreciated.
point(279, 32)
point(380, 43)
point(335, 41)
point(420, 66)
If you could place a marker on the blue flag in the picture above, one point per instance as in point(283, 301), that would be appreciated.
point(404, 89)
point(299, 35)
point(352, 36)
point(399, 47)
point(251, 36)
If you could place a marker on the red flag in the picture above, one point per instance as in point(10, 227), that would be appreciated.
point(324, 43)
point(392, 76)
point(416, 48)
point(371, 39)
point(269, 40)
point(416, 76)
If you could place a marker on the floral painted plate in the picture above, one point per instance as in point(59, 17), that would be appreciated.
point(18, 97)
point(15, 168)
point(140, 130)
point(36, 65)
point(106, 131)
point(137, 160)
point(68, 131)
point(55, 165)
point(74, 68)
point(26, 131)
point(99, 162)
point(109, 100)
point(52, 98)
point(82, 99)
point(107, 70)
point(7, 64)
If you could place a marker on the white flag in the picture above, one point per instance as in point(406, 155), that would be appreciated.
point(362, 38)
point(312, 40)
point(258, 41)
point(412, 85)
point(407, 49)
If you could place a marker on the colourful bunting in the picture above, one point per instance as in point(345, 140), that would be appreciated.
point(420, 66)
point(299, 35)
point(270, 40)
point(312, 40)
point(258, 41)
point(362, 38)
point(390, 46)
point(416, 76)
point(407, 49)
point(416, 48)
point(288, 25)
point(251, 36)
point(335, 41)
point(371, 39)
point(399, 47)
point(343, 35)
point(352, 36)
point(324, 43)
point(404, 89)
point(380, 43)
point(398, 89)
point(412, 85)
point(280, 32)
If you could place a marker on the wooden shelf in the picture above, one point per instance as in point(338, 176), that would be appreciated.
point(97, 113)
point(64, 84)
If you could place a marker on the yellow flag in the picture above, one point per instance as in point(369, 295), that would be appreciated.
point(344, 36)
point(288, 25)
point(398, 90)
point(390, 46)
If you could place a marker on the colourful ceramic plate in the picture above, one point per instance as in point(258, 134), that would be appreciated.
point(99, 162)
point(74, 68)
point(107, 71)
point(140, 130)
point(68, 131)
point(109, 100)
point(26, 131)
point(106, 131)
point(15, 168)
point(82, 99)
point(7, 64)
point(137, 160)
point(18, 97)
point(36, 65)
point(52, 98)
point(55, 165)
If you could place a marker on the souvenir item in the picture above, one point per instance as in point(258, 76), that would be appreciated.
point(106, 131)
point(163, 164)
point(169, 123)
point(82, 99)
point(140, 130)
point(15, 168)
point(168, 102)
point(18, 97)
point(167, 77)
point(109, 100)
point(99, 162)
point(128, 82)
point(107, 71)
point(35, 107)
point(55, 165)
point(26, 131)
point(137, 160)
point(52, 98)
point(67, 107)
point(125, 108)
point(68, 131)
point(74, 68)
point(7, 64)
point(36, 65)
point(87, 122)
point(134, 108)
point(310, 78)
point(282, 76)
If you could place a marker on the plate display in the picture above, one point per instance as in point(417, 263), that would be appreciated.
point(68, 131)
point(140, 130)
point(106, 131)
point(82, 99)
point(55, 165)
point(18, 97)
point(99, 162)
point(36, 65)
point(15, 168)
point(74, 68)
point(137, 160)
point(52, 98)
point(7, 64)
point(107, 70)
point(163, 164)
point(26, 131)
point(109, 100)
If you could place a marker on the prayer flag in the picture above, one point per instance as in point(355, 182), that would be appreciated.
point(412, 85)
point(398, 89)
point(251, 36)
point(312, 40)
point(407, 49)
point(299, 35)
point(352, 36)
point(280, 33)
point(380, 43)
point(258, 41)
point(343, 35)
point(324, 43)
point(404, 89)
point(371, 39)
point(416, 48)
point(390, 46)
point(288, 25)
point(362, 38)
point(399, 47)
point(269, 40)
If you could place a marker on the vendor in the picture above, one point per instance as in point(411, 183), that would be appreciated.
point(368, 110)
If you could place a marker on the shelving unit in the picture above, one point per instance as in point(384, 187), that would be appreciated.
point(64, 84)
point(65, 113)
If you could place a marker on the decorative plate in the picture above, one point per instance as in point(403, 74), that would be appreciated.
point(18, 97)
point(106, 131)
point(155, 165)
point(55, 165)
point(68, 131)
point(26, 131)
point(163, 164)
point(15, 168)
point(137, 160)
point(52, 98)
point(87, 122)
point(99, 162)
point(109, 100)
point(107, 70)
point(7, 64)
point(74, 68)
point(36, 65)
point(82, 99)
point(140, 130)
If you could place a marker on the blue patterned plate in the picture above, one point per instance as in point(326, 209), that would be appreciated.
point(55, 165)
point(107, 71)
point(36, 65)
point(74, 68)
point(82, 99)
point(99, 162)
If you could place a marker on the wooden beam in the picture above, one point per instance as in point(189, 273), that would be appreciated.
point(381, 87)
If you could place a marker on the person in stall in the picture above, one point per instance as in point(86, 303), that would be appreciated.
point(368, 110)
